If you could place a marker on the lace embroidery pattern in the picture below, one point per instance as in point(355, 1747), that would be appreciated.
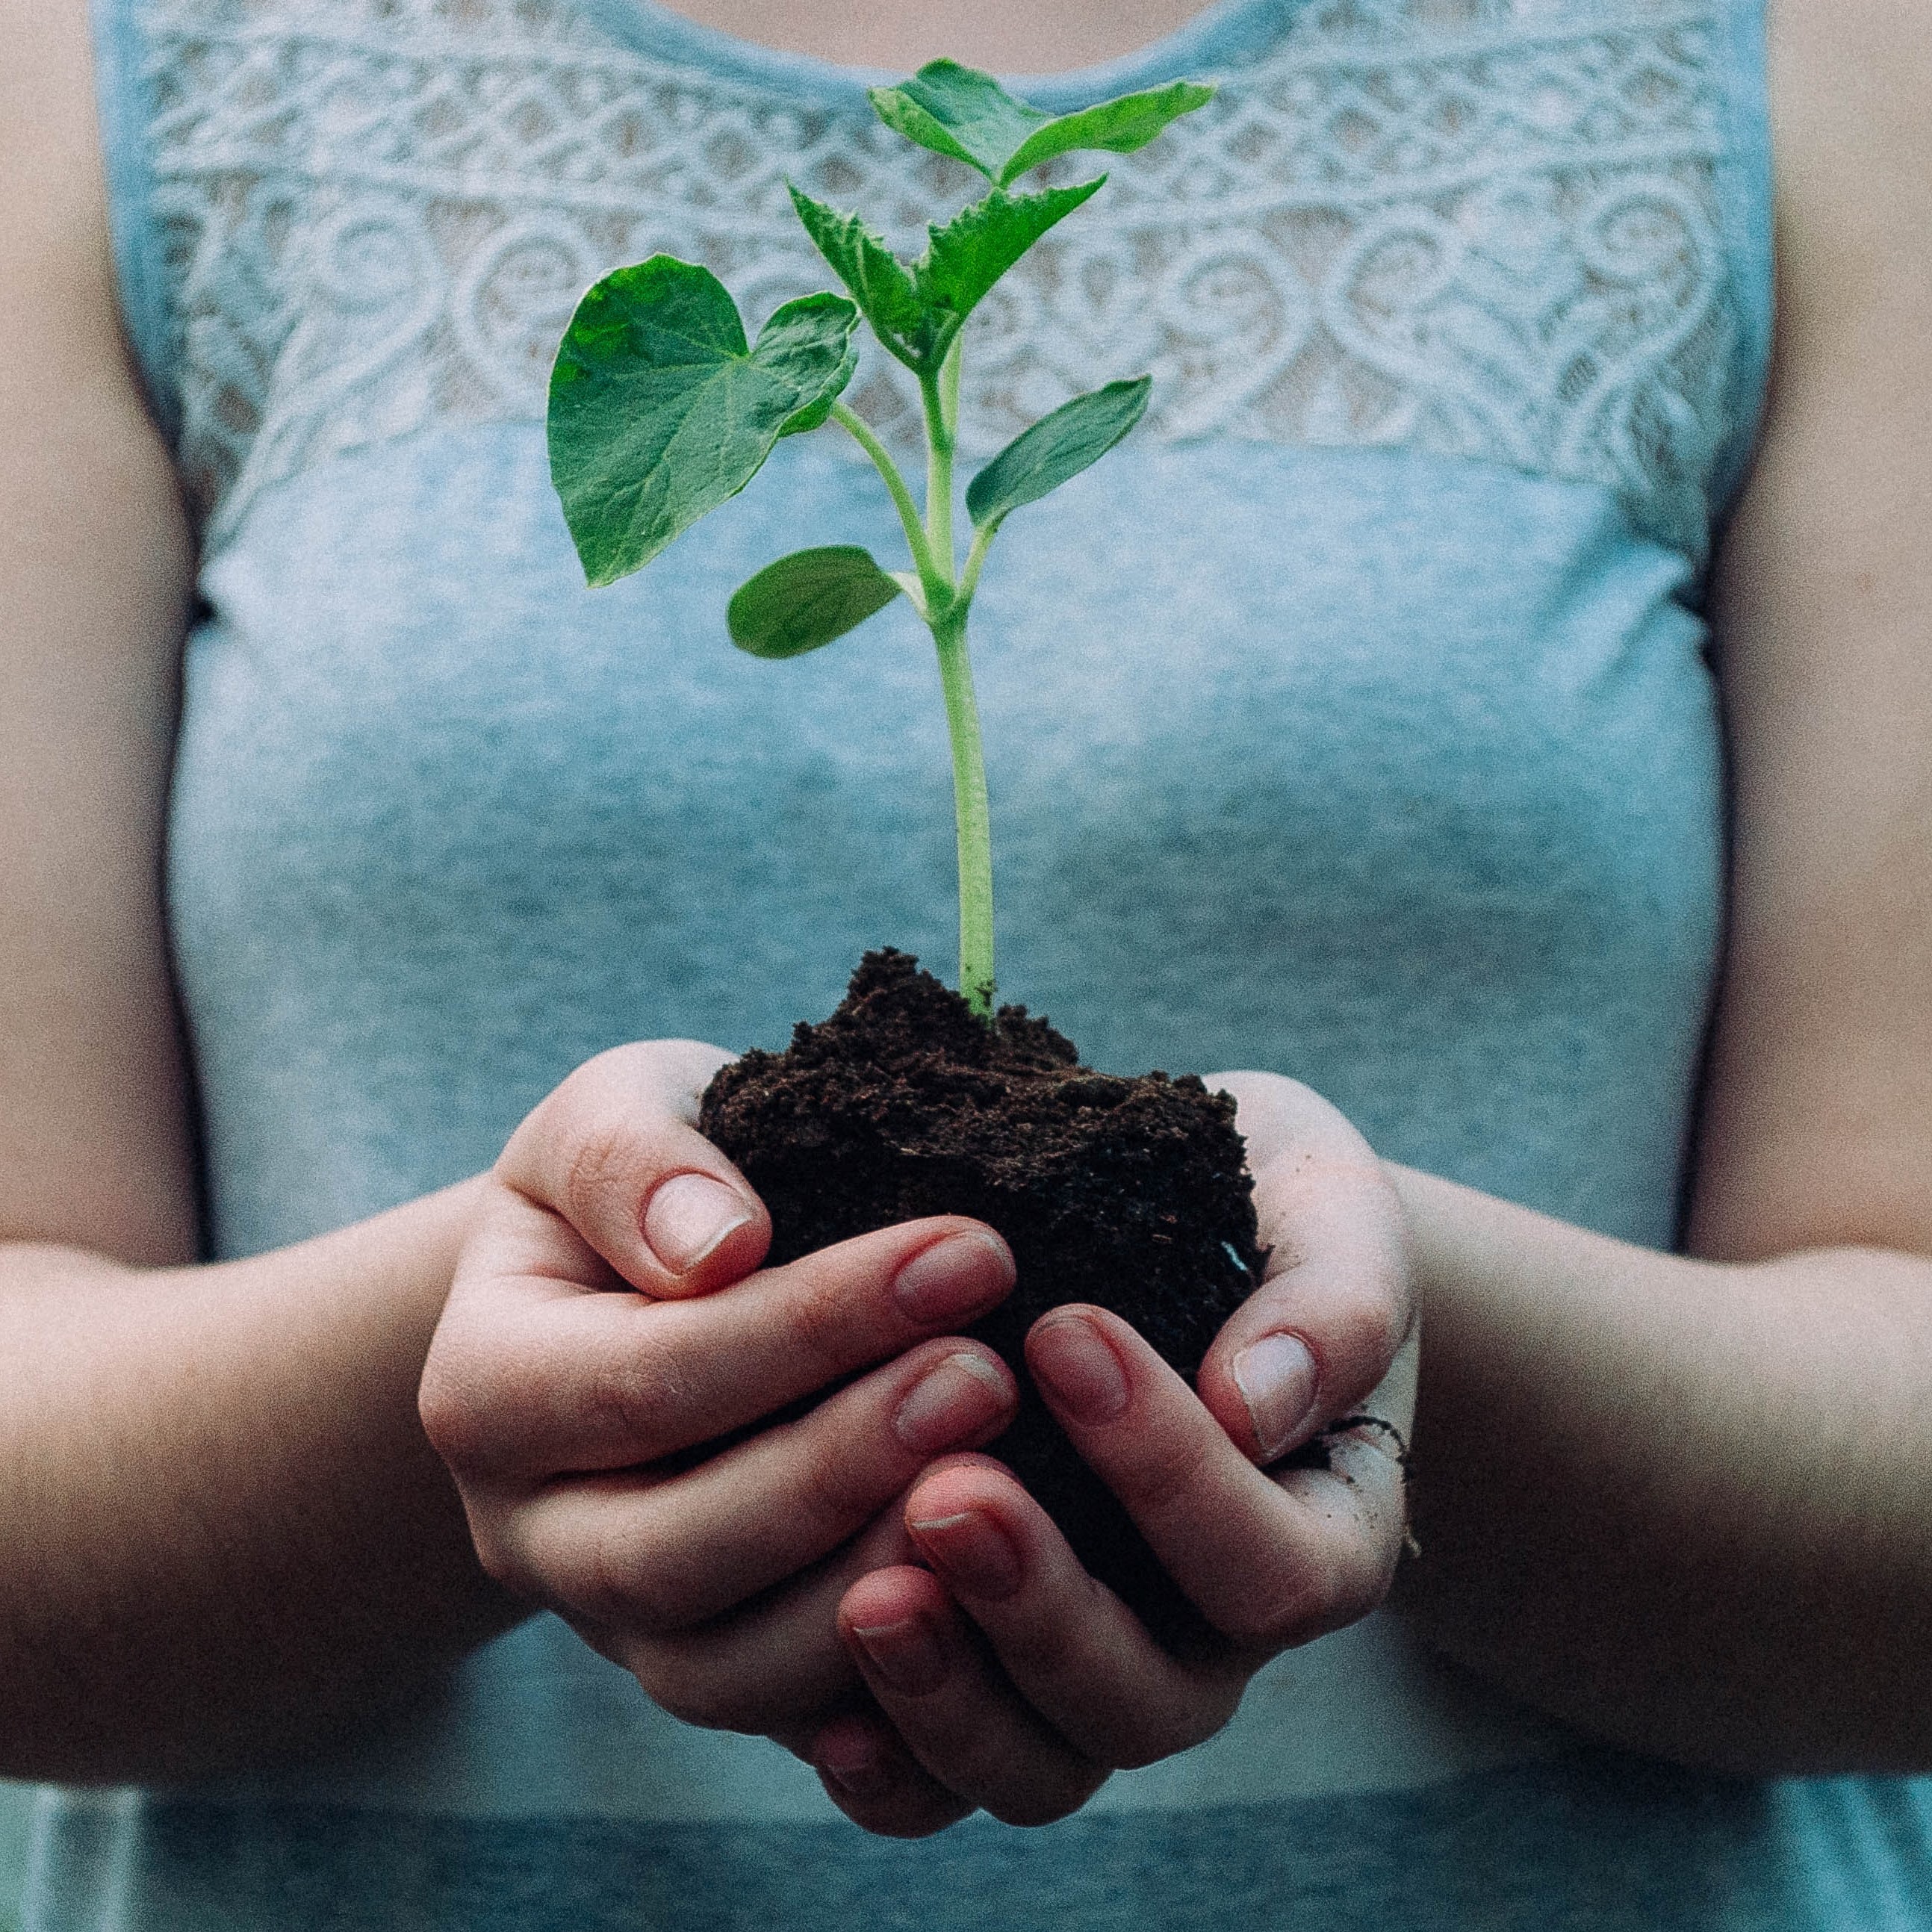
point(1483, 228)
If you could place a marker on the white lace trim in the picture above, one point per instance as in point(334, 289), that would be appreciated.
point(1484, 228)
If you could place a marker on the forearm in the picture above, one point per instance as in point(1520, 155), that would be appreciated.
point(1686, 1505)
point(225, 1535)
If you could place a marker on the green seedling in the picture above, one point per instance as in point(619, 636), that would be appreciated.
point(661, 409)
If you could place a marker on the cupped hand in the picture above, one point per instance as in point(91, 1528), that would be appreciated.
point(1005, 1675)
point(609, 1347)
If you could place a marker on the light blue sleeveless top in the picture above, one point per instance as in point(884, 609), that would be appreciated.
point(1352, 720)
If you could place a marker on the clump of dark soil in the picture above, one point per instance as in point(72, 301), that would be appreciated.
point(1132, 1194)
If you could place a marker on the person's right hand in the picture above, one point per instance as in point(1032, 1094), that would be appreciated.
point(607, 1337)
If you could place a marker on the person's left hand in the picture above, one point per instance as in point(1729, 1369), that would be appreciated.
point(1006, 1678)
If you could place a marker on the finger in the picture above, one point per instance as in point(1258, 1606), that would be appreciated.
point(868, 1772)
point(957, 1713)
point(1076, 1653)
point(1268, 1562)
point(1320, 1333)
point(775, 1667)
point(567, 1380)
point(662, 1553)
point(615, 1151)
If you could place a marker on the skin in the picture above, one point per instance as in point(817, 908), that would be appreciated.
point(777, 1587)
point(1685, 1501)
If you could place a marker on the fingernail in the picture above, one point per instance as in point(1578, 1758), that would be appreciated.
point(959, 1277)
point(1276, 1376)
point(906, 1655)
point(1081, 1372)
point(687, 1218)
point(972, 1551)
point(951, 1403)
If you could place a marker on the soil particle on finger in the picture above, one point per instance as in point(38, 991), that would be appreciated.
point(1131, 1193)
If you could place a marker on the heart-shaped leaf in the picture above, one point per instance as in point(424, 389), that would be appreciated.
point(958, 111)
point(659, 412)
point(880, 283)
point(966, 257)
point(1037, 460)
point(807, 599)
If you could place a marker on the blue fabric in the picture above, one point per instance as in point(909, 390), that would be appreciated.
point(1613, 1846)
point(430, 852)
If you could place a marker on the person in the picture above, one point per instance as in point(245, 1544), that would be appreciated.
point(1359, 722)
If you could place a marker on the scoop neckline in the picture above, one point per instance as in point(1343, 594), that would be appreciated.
point(1214, 38)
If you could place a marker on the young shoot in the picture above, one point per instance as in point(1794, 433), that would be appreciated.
point(660, 410)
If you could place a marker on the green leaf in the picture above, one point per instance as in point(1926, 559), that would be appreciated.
point(880, 283)
point(814, 415)
point(916, 312)
point(966, 257)
point(1037, 460)
point(958, 111)
point(1114, 127)
point(659, 413)
point(807, 599)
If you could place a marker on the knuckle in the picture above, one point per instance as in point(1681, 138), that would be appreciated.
point(1171, 1470)
point(603, 1162)
point(828, 1502)
point(458, 1424)
point(818, 1323)
point(1379, 1320)
point(630, 1401)
point(1051, 1651)
point(528, 1155)
point(1056, 1647)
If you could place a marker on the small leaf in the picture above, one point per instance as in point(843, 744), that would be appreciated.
point(880, 283)
point(807, 599)
point(966, 257)
point(958, 111)
point(1074, 436)
point(658, 412)
point(1115, 126)
point(814, 415)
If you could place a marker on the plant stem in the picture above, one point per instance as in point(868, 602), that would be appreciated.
point(948, 600)
point(939, 459)
point(861, 432)
point(970, 813)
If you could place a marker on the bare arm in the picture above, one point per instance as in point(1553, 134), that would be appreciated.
point(224, 1530)
point(1688, 1503)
